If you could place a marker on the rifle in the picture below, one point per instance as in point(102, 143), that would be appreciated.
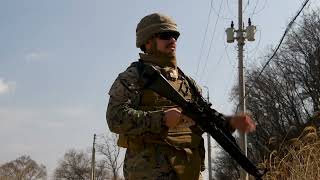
point(208, 119)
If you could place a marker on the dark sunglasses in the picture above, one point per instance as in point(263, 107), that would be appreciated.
point(168, 35)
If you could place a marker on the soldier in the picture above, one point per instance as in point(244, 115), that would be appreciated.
point(162, 143)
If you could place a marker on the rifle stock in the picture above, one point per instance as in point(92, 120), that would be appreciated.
point(208, 119)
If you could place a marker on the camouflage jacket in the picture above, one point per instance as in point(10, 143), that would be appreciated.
point(123, 116)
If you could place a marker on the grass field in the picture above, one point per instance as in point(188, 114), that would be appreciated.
point(296, 159)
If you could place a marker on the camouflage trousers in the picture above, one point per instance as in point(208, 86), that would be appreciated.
point(161, 162)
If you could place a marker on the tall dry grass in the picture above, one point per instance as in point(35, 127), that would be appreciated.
point(296, 159)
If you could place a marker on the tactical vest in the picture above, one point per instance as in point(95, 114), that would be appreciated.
point(185, 135)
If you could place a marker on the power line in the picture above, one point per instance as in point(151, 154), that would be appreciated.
point(258, 11)
point(218, 14)
point(246, 6)
point(228, 57)
point(254, 9)
point(230, 11)
point(214, 31)
point(251, 53)
point(289, 26)
point(223, 17)
point(204, 37)
point(216, 65)
point(282, 38)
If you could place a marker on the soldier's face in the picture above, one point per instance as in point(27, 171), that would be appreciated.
point(166, 46)
point(163, 44)
point(166, 42)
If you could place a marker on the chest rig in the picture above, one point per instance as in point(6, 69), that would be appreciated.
point(182, 136)
point(152, 101)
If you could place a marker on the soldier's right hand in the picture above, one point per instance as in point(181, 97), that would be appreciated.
point(172, 117)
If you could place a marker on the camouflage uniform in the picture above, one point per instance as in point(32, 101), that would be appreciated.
point(136, 114)
point(153, 150)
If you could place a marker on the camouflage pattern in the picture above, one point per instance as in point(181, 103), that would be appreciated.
point(160, 162)
point(154, 151)
point(123, 116)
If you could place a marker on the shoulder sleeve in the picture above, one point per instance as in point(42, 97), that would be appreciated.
point(123, 116)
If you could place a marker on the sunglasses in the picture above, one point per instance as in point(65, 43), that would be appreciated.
point(168, 35)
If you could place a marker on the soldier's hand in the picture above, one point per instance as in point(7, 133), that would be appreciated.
point(172, 117)
point(243, 123)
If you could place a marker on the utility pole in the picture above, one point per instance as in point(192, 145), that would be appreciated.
point(93, 158)
point(209, 144)
point(243, 136)
point(242, 35)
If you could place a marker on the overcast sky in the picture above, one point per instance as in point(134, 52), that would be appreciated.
point(58, 59)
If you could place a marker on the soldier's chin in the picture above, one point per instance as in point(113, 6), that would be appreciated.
point(171, 53)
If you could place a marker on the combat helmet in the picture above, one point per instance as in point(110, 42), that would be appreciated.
point(152, 24)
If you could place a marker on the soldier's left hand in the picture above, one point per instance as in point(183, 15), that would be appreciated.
point(243, 123)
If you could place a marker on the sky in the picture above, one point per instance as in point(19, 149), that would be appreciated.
point(59, 58)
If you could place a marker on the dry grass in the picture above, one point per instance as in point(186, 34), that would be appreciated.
point(296, 159)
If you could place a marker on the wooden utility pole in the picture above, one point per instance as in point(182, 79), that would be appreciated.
point(209, 144)
point(242, 35)
point(93, 158)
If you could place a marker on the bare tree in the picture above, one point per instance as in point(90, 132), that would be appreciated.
point(286, 96)
point(23, 168)
point(111, 154)
point(225, 168)
point(76, 165)
point(102, 171)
